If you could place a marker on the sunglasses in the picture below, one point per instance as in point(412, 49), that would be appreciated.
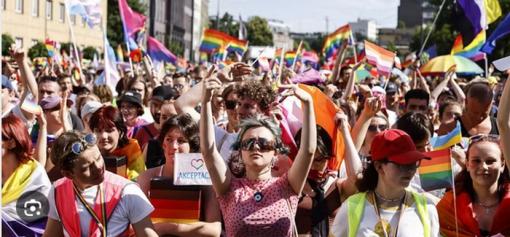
point(79, 146)
point(375, 128)
point(405, 168)
point(264, 145)
point(230, 104)
point(483, 137)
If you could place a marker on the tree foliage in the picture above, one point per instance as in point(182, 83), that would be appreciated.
point(89, 51)
point(114, 28)
point(444, 32)
point(175, 47)
point(259, 32)
point(38, 50)
point(226, 24)
point(7, 41)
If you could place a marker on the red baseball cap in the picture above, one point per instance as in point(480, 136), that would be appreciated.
point(396, 146)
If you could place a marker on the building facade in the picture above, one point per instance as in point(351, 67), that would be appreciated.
point(281, 34)
point(365, 28)
point(415, 13)
point(29, 21)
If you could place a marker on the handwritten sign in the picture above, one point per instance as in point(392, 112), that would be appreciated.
point(189, 169)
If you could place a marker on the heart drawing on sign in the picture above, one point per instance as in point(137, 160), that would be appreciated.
point(197, 163)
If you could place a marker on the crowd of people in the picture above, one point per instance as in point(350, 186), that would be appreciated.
point(95, 153)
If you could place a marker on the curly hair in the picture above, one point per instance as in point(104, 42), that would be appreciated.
point(103, 92)
point(186, 125)
point(263, 94)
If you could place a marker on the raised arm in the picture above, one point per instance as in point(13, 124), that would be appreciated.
point(440, 87)
point(461, 97)
point(504, 120)
point(303, 161)
point(350, 84)
point(352, 161)
point(359, 131)
point(218, 171)
point(187, 102)
point(41, 147)
point(27, 80)
point(339, 59)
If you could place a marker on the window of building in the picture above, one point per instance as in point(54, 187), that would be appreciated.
point(18, 6)
point(3, 4)
point(19, 42)
point(49, 9)
point(62, 11)
point(35, 8)
point(73, 19)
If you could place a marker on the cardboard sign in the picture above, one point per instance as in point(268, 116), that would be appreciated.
point(502, 64)
point(189, 169)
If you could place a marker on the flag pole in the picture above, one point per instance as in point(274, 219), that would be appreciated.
point(354, 49)
point(297, 53)
point(282, 64)
point(126, 39)
point(78, 60)
point(454, 198)
point(105, 52)
point(486, 66)
point(431, 28)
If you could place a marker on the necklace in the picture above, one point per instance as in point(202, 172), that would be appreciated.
point(387, 199)
point(488, 207)
point(386, 227)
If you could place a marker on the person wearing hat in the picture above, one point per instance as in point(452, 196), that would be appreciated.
point(131, 107)
point(160, 95)
point(86, 112)
point(384, 207)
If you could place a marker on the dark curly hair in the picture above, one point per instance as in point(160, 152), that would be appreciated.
point(186, 125)
point(109, 117)
point(263, 94)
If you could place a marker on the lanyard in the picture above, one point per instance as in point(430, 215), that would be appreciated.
point(101, 223)
point(401, 209)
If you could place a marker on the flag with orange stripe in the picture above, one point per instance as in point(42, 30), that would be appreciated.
point(436, 173)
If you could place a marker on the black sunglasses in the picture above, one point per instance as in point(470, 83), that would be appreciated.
point(380, 127)
point(263, 144)
point(408, 167)
point(230, 104)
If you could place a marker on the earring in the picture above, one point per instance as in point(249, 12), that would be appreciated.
point(273, 161)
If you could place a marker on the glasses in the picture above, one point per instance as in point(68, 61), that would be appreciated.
point(263, 144)
point(178, 86)
point(405, 168)
point(375, 128)
point(230, 104)
point(79, 146)
point(483, 137)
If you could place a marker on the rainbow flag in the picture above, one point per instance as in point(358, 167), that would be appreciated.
point(448, 140)
point(334, 39)
point(238, 46)
point(50, 46)
point(289, 57)
point(380, 57)
point(471, 51)
point(436, 173)
point(458, 45)
point(213, 39)
point(177, 204)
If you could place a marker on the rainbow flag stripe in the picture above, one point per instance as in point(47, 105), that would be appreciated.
point(334, 39)
point(289, 57)
point(213, 39)
point(436, 173)
point(472, 51)
point(238, 46)
point(50, 46)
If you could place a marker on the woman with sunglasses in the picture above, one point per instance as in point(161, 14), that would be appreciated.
point(230, 98)
point(23, 179)
point(111, 131)
point(385, 207)
point(258, 204)
point(90, 201)
point(179, 134)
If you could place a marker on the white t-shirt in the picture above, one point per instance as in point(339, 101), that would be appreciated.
point(132, 208)
point(224, 141)
point(410, 223)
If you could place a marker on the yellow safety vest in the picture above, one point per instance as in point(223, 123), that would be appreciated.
point(356, 206)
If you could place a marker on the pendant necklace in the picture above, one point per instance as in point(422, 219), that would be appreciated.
point(488, 207)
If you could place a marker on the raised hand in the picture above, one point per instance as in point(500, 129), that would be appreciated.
point(211, 83)
point(293, 89)
point(234, 72)
point(372, 106)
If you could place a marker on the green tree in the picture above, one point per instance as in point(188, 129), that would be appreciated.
point(115, 32)
point(38, 50)
point(89, 51)
point(175, 47)
point(226, 24)
point(306, 45)
point(259, 32)
point(7, 41)
point(66, 47)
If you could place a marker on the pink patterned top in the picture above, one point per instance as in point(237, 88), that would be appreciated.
point(269, 217)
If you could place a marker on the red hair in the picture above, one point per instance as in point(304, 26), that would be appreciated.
point(14, 129)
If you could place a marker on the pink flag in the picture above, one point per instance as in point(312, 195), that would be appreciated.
point(132, 21)
point(380, 57)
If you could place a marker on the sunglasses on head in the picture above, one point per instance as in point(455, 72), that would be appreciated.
point(230, 104)
point(79, 146)
point(380, 127)
point(263, 144)
point(483, 137)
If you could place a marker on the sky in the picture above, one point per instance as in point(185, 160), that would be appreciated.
point(310, 15)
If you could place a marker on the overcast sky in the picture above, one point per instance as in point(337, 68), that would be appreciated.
point(310, 15)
